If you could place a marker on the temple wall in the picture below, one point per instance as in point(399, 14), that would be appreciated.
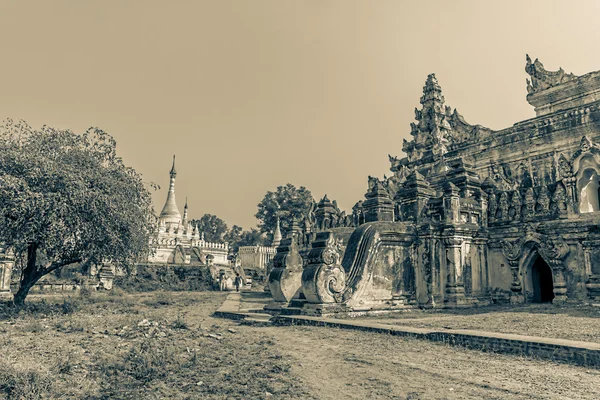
point(256, 257)
point(499, 272)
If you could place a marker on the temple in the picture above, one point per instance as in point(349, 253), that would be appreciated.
point(178, 241)
point(471, 216)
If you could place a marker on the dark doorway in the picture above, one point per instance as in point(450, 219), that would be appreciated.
point(541, 279)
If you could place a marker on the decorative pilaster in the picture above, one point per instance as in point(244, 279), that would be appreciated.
point(455, 289)
point(512, 253)
point(591, 252)
point(451, 204)
point(572, 203)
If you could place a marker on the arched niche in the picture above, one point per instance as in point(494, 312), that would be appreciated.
point(538, 276)
point(588, 184)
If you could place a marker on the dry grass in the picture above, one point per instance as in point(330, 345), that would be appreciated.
point(120, 346)
point(166, 345)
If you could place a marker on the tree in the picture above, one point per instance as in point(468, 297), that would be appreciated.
point(67, 198)
point(251, 238)
point(287, 202)
point(233, 235)
point(214, 228)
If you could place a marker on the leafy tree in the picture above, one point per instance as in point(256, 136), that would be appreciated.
point(67, 198)
point(214, 228)
point(233, 235)
point(251, 238)
point(287, 202)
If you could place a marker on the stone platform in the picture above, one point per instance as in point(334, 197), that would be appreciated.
point(248, 308)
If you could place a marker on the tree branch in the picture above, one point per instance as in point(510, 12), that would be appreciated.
point(58, 265)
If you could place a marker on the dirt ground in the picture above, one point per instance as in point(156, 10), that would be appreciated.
point(572, 322)
point(166, 345)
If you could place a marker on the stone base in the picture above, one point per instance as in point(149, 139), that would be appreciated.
point(559, 299)
point(322, 310)
point(275, 306)
point(517, 298)
point(460, 302)
point(279, 308)
point(593, 287)
point(374, 308)
point(6, 295)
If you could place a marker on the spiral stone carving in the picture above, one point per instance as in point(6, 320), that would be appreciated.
point(324, 278)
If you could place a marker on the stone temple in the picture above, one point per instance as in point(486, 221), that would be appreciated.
point(470, 216)
point(177, 241)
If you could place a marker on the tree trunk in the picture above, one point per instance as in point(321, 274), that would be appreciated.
point(26, 285)
point(32, 273)
point(29, 277)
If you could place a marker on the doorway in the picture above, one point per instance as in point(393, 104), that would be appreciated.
point(542, 282)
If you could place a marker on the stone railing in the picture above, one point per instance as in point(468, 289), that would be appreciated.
point(210, 245)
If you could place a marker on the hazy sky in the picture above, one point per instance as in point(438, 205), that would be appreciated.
point(251, 95)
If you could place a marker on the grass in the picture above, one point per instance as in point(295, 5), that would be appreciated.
point(146, 345)
point(166, 345)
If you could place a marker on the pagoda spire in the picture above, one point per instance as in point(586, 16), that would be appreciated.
point(170, 212)
point(185, 212)
point(432, 131)
point(276, 234)
point(173, 172)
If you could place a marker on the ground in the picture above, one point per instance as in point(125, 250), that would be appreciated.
point(571, 321)
point(166, 345)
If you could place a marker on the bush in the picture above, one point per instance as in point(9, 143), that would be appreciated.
point(149, 278)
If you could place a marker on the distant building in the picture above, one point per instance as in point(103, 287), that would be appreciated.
point(7, 261)
point(256, 258)
point(177, 241)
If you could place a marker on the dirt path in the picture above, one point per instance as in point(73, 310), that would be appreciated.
point(338, 364)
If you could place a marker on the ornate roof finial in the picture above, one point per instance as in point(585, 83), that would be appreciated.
point(542, 79)
point(173, 172)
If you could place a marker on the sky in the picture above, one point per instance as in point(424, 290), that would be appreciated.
point(253, 94)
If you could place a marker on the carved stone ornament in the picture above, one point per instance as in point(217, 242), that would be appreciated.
point(542, 79)
point(553, 250)
point(564, 167)
point(324, 278)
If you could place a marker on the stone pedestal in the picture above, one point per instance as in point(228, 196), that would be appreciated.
point(285, 280)
point(560, 285)
point(593, 287)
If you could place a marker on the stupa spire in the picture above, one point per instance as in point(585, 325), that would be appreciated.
point(173, 173)
point(185, 212)
point(276, 234)
point(170, 212)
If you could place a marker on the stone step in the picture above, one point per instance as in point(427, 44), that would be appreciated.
point(297, 303)
point(253, 321)
point(291, 311)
